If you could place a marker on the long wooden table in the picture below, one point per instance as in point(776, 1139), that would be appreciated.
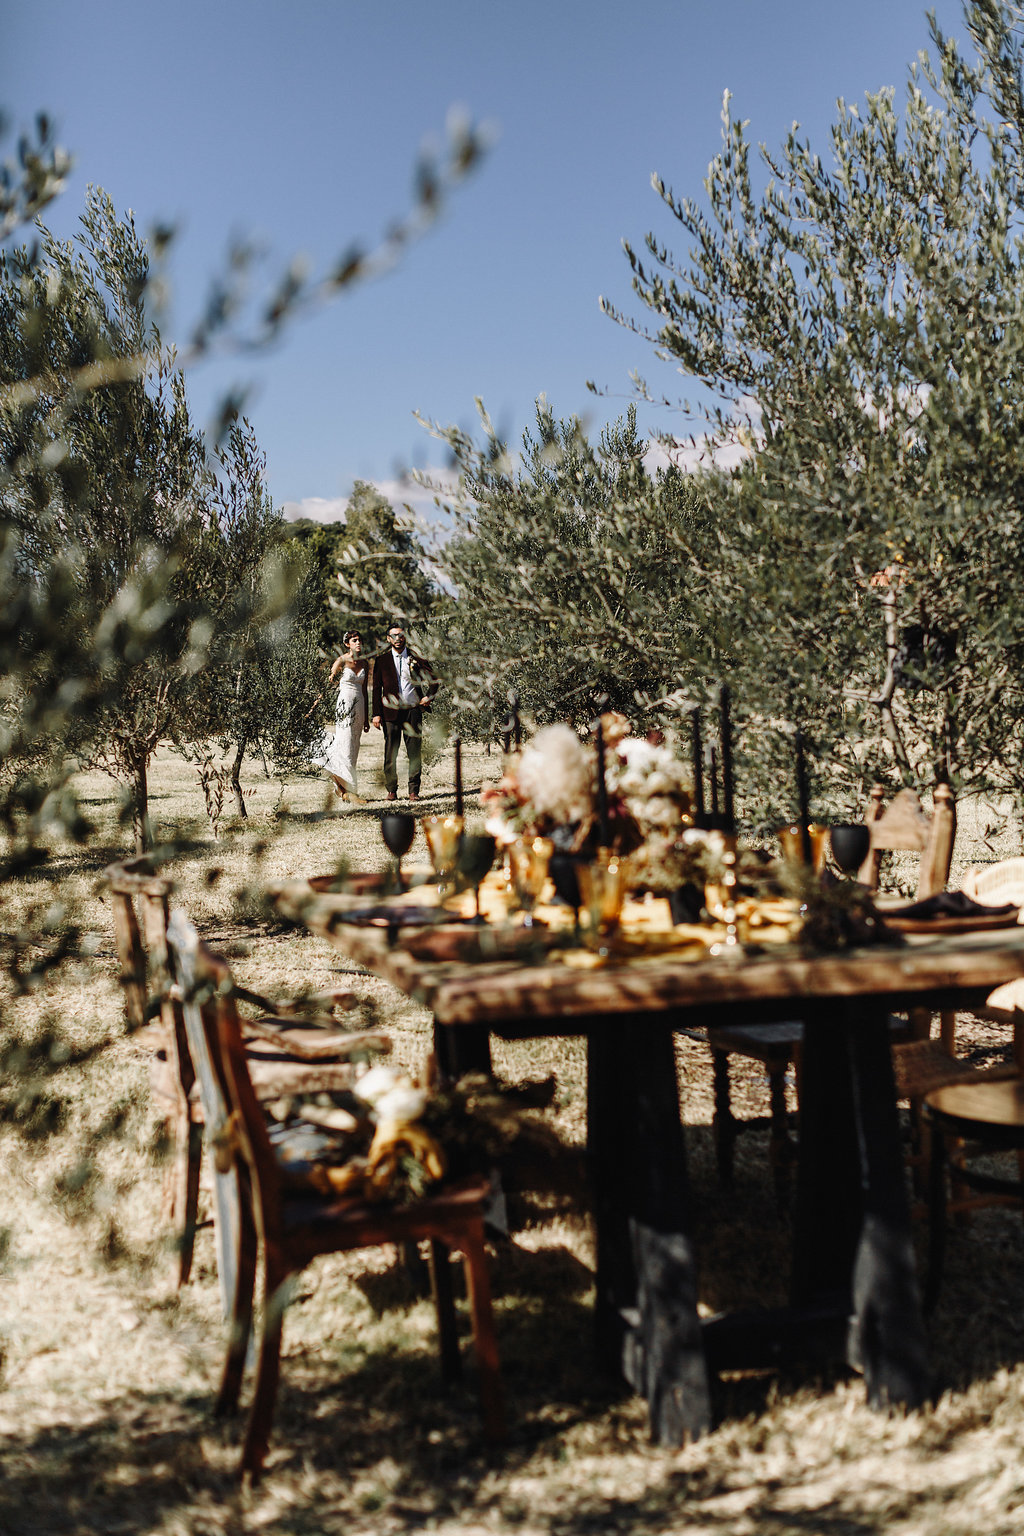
point(854, 1290)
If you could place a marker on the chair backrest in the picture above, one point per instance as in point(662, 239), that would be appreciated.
point(202, 995)
point(904, 825)
point(142, 952)
point(235, 1122)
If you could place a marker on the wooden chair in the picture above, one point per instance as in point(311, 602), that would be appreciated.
point(996, 885)
point(905, 826)
point(289, 1052)
point(967, 1118)
point(136, 891)
point(264, 1201)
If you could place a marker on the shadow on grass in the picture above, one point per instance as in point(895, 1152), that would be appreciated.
point(355, 1433)
point(367, 1438)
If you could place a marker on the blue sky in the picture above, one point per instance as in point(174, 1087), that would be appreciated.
point(300, 124)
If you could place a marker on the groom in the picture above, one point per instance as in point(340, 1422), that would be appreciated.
point(403, 686)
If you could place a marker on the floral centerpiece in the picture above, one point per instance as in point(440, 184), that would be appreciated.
point(549, 785)
point(649, 777)
point(551, 788)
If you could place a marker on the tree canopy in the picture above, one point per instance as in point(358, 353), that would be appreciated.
point(856, 319)
point(382, 566)
point(569, 574)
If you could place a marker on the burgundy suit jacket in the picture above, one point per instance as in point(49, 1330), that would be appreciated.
point(385, 683)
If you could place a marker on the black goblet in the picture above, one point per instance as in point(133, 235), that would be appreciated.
point(851, 844)
point(398, 829)
point(474, 861)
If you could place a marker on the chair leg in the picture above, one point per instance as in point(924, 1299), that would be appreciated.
point(780, 1146)
point(261, 1414)
point(724, 1121)
point(936, 1218)
point(186, 1205)
point(444, 1307)
point(417, 1269)
point(478, 1282)
point(240, 1321)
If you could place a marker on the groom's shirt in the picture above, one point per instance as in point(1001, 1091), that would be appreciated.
point(407, 694)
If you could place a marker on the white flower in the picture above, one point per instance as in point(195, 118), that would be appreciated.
point(554, 774)
point(402, 1106)
point(639, 755)
point(501, 830)
point(379, 1081)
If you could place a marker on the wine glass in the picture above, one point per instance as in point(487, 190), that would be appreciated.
point(474, 860)
point(528, 861)
point(851, 844)
point(398, 829)
point(443, 834)
point(603, 889)
point(792, 844)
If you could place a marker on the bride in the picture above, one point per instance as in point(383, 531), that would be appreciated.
point(351, 718)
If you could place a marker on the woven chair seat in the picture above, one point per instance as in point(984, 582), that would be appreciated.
point(922, 1065)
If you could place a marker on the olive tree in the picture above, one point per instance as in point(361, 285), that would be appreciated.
point(856, 318)
point(110, 483)
point(570, 571)
point(262, 685)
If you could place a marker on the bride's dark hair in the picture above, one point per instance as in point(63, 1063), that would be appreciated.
point(350, 634)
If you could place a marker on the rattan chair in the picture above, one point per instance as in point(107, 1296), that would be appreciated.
point(967, 1119)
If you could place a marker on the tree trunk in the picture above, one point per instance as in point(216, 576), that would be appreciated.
point(140, 807)
point(236, 785)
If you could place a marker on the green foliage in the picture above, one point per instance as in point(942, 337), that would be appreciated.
point(261, 688)
point(104, 494)
point(570, 573)
point(371, 569)
point(858, 322)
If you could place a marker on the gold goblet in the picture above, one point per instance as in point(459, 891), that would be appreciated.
point(720, 901)
point(603, 889)
point(528, 865)
point(443, 834)
point(791, 843)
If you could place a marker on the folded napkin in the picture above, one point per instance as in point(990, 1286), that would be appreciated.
point(949, 904)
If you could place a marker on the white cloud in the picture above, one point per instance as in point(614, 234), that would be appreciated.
point(321, 509)
point(400, 492)
point(698, 452)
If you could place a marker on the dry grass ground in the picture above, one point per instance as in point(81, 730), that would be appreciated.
point(107, 1374)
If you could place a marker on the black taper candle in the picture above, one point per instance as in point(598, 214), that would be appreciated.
point(725, 733)
point(803, 800)
point(713, 775)
point(517, 729)
point(458, 776)
point(697, 750)
point(603, 829)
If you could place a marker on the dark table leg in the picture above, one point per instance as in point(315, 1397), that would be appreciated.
point(852, 1239)
point(462, 1048)
point(646, 1316)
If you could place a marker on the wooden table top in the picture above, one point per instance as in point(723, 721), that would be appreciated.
point(953, 969)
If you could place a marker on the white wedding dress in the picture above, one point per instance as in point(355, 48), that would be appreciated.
point(350, 717)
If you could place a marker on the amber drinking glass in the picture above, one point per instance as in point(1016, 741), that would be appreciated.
point(443, 834)
point(603, 890)
point(791, 843)
point(528, 864)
